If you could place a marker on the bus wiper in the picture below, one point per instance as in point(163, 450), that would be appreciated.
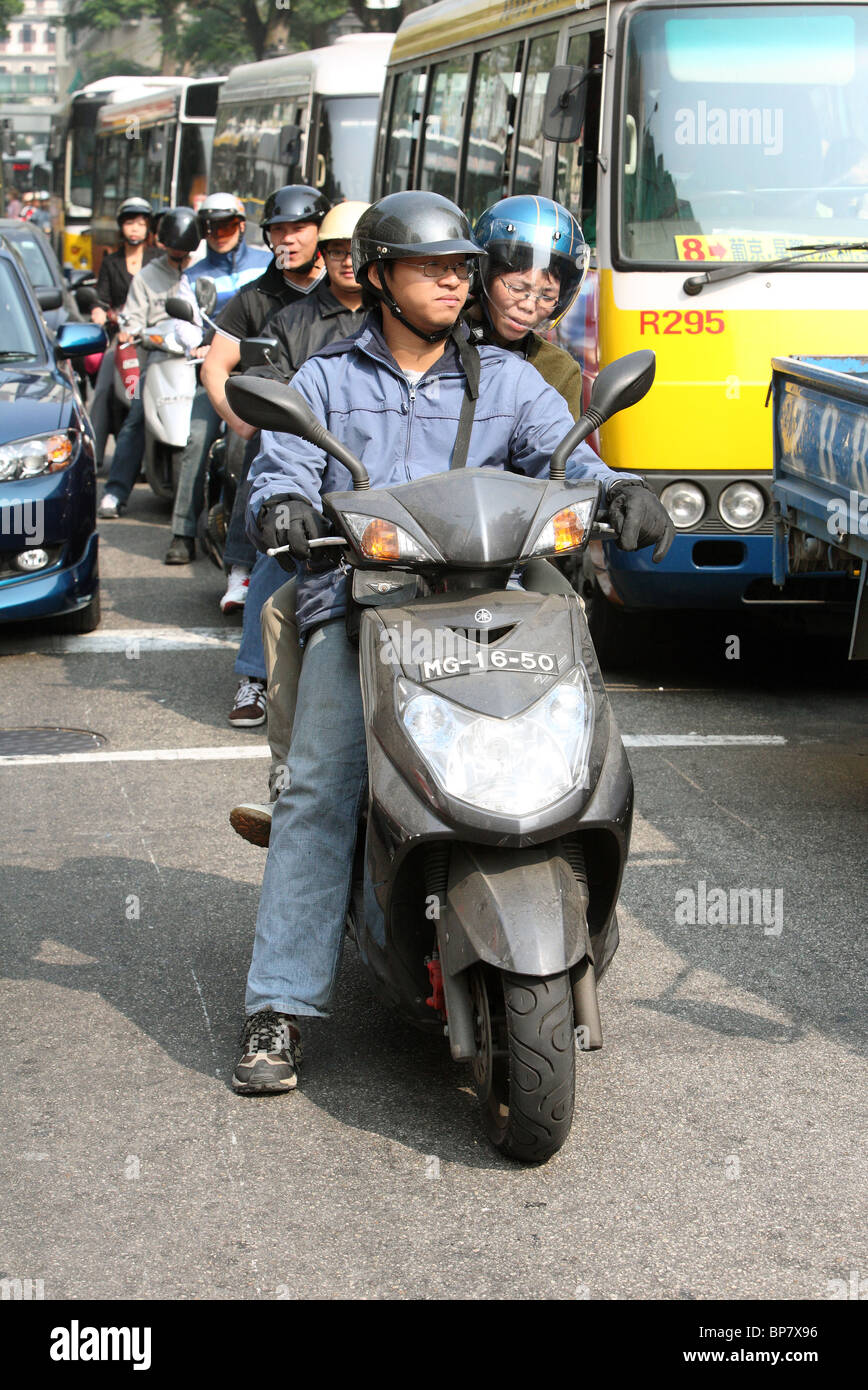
point(694, 283)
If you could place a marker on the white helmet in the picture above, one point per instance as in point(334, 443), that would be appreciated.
point(219, 207)
point(340, 223)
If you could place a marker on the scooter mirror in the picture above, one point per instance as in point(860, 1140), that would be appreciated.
point(86, 298)
point(269, 405)
point(206, 294)
point(178, 308)
point(258, 352)
point(621, 384)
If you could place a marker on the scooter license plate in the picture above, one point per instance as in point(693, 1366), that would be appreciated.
point(488, 659)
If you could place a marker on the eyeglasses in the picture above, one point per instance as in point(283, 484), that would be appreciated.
point(547, 298)
point(436, 270)
point(337, 253)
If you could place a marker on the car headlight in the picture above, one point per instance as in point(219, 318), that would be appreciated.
point(43, 453)
point(514, 766)
point(378, 539)
point(741, 505)
point(564, 531)
point(685, 503)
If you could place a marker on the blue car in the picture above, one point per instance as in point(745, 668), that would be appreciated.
point(48, 540)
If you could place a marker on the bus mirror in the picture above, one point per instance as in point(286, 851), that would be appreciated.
point(564, 108)
point(289, 142)
point(206, 294)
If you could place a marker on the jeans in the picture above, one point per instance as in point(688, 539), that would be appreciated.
point(190, 497)
point(129, 448)
point(238, 550)
point(308, 873)
point(266, 577)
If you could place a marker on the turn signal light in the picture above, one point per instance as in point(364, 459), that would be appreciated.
point(380, 541)
point(569, 530)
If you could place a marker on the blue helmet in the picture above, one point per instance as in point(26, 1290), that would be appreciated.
point(525, 233)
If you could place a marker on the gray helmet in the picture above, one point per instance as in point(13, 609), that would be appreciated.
point(219, 207)
point(133, 207)
point(178, 230)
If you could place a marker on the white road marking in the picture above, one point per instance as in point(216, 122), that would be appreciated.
point(261, 750)
point(124, 639)
point(700, 740)
point(141, 755)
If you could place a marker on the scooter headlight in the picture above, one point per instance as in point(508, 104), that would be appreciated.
point(516, 766)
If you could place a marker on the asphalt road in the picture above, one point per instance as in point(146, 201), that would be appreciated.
point(714, 1152)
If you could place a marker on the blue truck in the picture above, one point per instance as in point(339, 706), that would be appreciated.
point(820, 483)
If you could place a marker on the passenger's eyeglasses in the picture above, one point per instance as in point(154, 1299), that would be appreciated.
point(435, 270)
point(337, 253)
point(547, 298)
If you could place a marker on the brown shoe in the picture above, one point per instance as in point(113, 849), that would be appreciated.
point(249, 707)
point(252, 822)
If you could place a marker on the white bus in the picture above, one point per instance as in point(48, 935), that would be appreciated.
point(73, 156)
point(156, 147)
point(308, 118)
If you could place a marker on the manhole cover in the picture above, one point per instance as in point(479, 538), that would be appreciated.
point(14, 742)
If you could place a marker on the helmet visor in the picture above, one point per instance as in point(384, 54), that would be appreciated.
point(542, 283)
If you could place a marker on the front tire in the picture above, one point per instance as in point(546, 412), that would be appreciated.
point(525, 1069)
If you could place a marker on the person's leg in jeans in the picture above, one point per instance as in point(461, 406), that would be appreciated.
point(190, 497)
point(308, 874)
point(252, 819)
point(127, 461)
point(239, 555)
point(249, 707)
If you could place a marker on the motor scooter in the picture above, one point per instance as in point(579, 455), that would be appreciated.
point(491, 851)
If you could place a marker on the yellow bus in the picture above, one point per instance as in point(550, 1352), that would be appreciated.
point(707, 139)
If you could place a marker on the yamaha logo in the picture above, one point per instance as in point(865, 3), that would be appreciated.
point(482, 616)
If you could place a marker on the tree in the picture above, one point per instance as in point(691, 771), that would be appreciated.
point(215, 35)
point(8, 10)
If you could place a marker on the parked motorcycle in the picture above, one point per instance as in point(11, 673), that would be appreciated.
point(500, 796)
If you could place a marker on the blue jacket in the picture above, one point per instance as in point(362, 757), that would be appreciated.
point(230, 270)
point(401, 432)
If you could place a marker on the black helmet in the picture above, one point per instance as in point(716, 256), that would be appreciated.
point(409, 224)
point(178, 230)
point(133, 207)
point(295, 202)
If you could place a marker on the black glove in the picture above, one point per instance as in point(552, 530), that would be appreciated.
point(639, 518)
point(290, 519)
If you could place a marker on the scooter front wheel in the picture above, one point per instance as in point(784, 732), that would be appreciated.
point(525, 1067)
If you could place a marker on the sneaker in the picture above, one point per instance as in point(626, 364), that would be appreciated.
point(236, 590)
point(110, 507)
point(271, 1052)
point(181, 551)
point(249, 707)
point(252, 822)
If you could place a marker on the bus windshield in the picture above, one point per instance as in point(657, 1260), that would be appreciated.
point(347, 127)
point(744, 133)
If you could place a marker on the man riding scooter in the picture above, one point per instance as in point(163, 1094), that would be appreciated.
point(231, 264)
point(415, 397)
point(178, 235)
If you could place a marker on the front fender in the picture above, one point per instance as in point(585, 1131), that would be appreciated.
point(520, 910)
